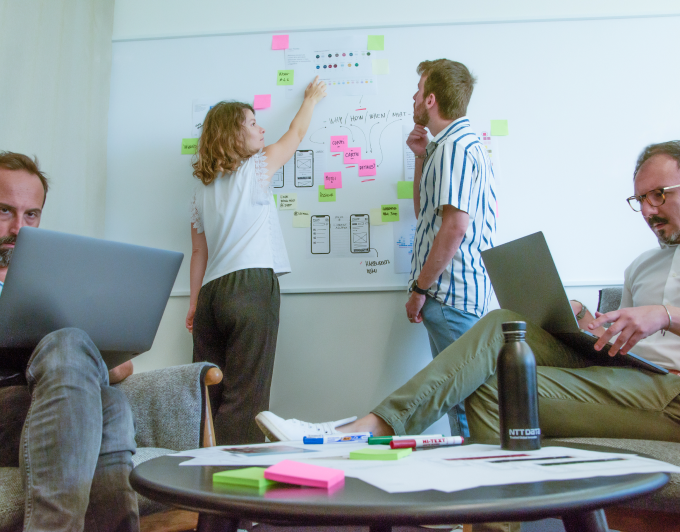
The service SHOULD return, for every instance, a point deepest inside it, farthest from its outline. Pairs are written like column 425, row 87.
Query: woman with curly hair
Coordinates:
column 237, row 254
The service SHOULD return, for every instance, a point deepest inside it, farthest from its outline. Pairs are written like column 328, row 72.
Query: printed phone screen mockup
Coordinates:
column 321, row 234
column 360, row 240
column 277, row 178
column 304, row 168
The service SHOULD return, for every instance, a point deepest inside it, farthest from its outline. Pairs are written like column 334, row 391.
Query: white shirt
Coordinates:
column 457, row 172
column 238, row 214
column 654, row 279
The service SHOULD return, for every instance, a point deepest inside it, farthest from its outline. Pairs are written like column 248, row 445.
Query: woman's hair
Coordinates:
column 222, row 146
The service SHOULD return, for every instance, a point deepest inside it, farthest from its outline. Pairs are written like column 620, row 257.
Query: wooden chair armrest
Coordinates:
column 212, row 376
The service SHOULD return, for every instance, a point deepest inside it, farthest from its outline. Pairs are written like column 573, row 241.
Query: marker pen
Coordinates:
column 386, row 440
column 349, row 437
column 427, row 442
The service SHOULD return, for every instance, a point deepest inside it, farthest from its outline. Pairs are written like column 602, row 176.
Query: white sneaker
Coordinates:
column 279, row 429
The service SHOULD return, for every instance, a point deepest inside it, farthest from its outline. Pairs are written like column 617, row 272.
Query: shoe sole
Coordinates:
column 271, row 433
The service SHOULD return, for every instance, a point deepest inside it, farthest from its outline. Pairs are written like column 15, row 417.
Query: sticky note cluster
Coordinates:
column 315, row 476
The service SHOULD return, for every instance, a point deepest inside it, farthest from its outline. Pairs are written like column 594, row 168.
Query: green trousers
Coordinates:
column 576, row 397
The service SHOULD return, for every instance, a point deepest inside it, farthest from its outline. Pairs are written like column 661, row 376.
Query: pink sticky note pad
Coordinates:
column 352, row 155
column 366, row 167
column 332, row 180
column 305, row 474
column 280, row 42
column 338, row 142
column 262, row 101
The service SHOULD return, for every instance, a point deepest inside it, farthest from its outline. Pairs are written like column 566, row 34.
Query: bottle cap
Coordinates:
column 512, row 326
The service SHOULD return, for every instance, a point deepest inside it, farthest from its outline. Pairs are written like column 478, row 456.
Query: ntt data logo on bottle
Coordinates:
column 524, row 434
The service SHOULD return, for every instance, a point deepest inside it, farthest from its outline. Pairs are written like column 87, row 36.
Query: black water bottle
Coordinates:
column 517, row 391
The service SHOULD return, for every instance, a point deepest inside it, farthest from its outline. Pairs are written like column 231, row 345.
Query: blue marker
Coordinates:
column 350, row 437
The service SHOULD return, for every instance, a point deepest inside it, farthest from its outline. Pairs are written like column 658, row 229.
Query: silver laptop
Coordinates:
column 115, row 292
column 525, row 279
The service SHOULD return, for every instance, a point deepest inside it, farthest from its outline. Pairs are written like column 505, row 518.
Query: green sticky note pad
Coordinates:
column 326, row 194
column 276, row 201
column 285, row 77
column 499, row 128
column 404, row 189
column 390, row 213
column 376, row 42
column 252, row 477
column 189, row 146
column 379, row 453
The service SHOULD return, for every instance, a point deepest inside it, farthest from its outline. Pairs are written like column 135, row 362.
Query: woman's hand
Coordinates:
column 316, row 90
column 190, row 319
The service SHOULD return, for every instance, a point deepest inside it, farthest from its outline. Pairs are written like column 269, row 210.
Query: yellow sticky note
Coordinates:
column 288, row 202
column 404, row 189
column 381, row 67
column 189, row 146
column 376, row 42
column 390, row 213
column 376, row 217
column 499, row 128
column 301, row 219
column 285, row 77
column 326, row 194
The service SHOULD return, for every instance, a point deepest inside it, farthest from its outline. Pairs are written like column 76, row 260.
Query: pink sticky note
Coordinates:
column 332, row 180
column 366, row 167
column 262, row 101
column 305, row 474
column 280, row 42
column 352, row 155
column 338, row 142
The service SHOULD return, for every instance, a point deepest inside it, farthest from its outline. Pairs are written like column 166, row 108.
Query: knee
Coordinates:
column 498, row 317
column 66, row 350
column 481, row 409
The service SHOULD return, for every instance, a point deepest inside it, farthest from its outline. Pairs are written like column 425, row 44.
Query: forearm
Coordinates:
column 444, row 247
column 302, row 119
column 416, row 185
column 197, row 267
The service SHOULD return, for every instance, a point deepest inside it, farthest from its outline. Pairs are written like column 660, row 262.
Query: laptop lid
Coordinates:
column 525, row 280
column 115, row 292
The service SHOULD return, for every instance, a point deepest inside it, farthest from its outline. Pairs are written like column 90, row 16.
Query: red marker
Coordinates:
column 416, row 443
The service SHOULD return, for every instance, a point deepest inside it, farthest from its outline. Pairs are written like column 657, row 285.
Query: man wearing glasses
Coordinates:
column 577, row 399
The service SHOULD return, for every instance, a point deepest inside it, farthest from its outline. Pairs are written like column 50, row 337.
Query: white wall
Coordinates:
column 338, row 354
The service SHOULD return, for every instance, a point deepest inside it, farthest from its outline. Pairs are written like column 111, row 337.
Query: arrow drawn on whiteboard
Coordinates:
column 315, row 142
column 370, row 146
column 362, row 132
column 350, row 132
column 382, row 156
column 376, row 251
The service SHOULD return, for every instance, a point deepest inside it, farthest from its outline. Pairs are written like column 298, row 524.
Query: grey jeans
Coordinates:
column 77, row 441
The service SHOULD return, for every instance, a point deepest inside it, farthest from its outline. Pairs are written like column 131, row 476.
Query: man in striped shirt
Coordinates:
column 455, row 207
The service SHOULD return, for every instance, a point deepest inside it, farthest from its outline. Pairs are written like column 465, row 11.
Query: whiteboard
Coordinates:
column 582, row 98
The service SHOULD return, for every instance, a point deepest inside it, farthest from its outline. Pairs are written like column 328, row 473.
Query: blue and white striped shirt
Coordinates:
column 1, row 285
column 457, row 172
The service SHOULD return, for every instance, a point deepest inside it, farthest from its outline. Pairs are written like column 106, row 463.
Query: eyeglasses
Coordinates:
column 656, row 198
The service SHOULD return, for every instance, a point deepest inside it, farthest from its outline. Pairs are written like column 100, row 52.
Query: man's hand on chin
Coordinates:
column 120, row 373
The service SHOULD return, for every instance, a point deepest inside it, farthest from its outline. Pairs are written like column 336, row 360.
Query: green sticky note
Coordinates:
column 376, row 42
column 276, row 203
column 381, row 67
column 252, row 477
column 499, row 128
column 189, row 146
column 285, row 77
column 404, row 189
column 390, row 213
column 326, row 194
column 379, row 453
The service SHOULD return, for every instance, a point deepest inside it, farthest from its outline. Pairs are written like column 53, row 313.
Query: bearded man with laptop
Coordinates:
column 78, row 432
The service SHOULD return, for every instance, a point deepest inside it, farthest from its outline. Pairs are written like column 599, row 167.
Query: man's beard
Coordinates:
column 669, row 240
column 6, row 253
column 420, row 115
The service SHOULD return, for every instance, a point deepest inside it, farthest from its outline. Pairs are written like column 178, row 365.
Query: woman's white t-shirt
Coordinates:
column 238, row 214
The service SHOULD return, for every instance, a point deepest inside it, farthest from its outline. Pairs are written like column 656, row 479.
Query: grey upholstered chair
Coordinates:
column 659, row 511
column 172, row 413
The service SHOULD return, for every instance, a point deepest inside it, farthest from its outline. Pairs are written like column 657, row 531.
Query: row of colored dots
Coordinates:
column 343, row 54
column 336, row 66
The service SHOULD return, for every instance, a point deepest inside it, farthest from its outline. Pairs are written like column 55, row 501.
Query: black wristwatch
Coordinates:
column 415, row 288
